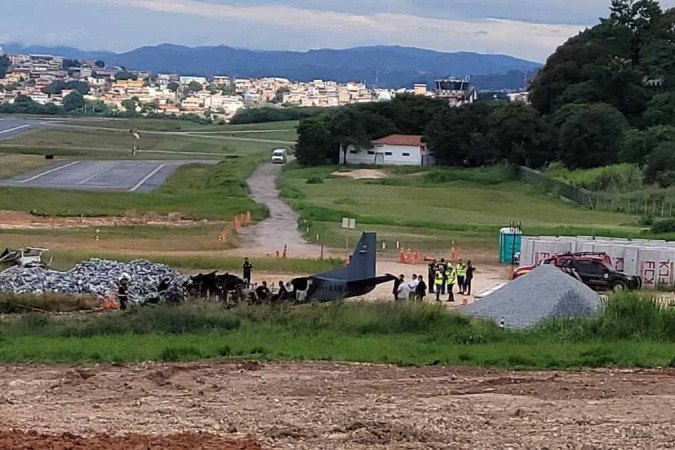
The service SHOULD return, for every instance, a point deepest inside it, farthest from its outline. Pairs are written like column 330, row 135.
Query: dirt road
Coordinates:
column 329, row 406
column 281, row 227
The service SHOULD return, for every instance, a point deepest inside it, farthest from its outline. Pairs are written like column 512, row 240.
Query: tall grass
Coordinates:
column 614, row 178
column 630, row 332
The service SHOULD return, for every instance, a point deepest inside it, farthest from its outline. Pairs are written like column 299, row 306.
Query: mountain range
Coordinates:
column 379, row 66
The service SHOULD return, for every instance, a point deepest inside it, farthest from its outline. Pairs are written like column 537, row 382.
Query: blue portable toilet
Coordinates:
column 509, row 244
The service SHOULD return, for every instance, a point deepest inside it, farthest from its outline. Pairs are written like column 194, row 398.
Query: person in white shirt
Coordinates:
column 413, row 288
column 403, row 292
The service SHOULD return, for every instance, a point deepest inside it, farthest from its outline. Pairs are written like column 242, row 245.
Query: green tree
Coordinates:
column 99, row 63
column 520, row 135
column 73, row 101
column 123, row 75
column 68, row 63
column 660, row 166
column 173, row 86
column 129, row 104
column 639, row 144
column 454, row 132
column 591, row 136
column 661, row 109
column 195, row 86
column 314, row 146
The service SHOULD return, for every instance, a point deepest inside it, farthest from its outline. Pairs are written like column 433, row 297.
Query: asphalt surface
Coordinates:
column 10, row 127
column 131, row 176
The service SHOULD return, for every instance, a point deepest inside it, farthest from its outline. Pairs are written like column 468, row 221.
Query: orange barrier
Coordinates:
column 239, row 221
column 409, row 256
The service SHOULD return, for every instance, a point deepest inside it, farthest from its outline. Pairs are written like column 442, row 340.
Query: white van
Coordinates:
column 279, row 156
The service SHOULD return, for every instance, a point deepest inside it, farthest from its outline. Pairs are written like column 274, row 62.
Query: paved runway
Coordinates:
column 131, row 176
column 10, row 127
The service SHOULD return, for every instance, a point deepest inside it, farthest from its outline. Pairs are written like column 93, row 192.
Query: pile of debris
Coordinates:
column 148, row 282
column 545, row 293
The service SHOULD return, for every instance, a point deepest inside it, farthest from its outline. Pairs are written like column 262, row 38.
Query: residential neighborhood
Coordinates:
column 48, row 80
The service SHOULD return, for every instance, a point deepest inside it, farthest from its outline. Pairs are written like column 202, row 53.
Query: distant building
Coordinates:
column 188, row 80
column 456, row 91
column 420, row 89
column 393, row 150
column 522, row 97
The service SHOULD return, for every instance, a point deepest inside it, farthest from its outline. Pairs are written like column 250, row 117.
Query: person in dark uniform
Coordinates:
column 443, row 267
column 282, row 293
column 431, row 273
column 421, row 289
column 262, row 291
column 123, row 292
column 246, row 267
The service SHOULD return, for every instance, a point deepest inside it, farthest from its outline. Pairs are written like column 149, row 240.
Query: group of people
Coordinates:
column 416, row 290
column 446, row 276
column 283, row 292
column 443, row 276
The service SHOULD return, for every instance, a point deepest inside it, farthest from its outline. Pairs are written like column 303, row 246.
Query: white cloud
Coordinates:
column 525, row 39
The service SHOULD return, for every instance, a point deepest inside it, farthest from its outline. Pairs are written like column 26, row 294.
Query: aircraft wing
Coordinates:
column 371, row 281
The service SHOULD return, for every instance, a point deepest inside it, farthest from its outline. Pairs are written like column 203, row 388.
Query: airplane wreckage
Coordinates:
column 154, row 283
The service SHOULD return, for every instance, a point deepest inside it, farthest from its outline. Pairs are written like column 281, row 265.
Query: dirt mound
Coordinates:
column 31, row 440
column 362, row 174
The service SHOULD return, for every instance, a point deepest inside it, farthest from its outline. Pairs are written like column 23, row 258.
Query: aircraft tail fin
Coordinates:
column 363, row 261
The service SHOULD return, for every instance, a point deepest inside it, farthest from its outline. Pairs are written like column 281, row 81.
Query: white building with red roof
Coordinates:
column 392, row 150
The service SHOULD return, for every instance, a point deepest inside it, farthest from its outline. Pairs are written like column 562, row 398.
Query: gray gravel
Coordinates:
column 148, row 282
column 545, row 293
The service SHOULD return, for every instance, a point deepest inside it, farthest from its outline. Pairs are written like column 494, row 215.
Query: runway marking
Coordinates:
column 14, row 129
column 48, row 172
column 142, row 182
column 90, row 177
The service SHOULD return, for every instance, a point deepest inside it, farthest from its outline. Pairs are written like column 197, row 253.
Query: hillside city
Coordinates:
column 49, row 80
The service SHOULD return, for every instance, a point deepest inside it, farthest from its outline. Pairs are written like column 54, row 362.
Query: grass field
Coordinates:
column 197, row 191
column 432, row 209
column 631, row 333
column 15, row 164
column 94, row 143
column 176, row 125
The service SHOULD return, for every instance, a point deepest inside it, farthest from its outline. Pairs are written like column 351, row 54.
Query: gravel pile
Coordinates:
column 545, row 293
column 148, row 282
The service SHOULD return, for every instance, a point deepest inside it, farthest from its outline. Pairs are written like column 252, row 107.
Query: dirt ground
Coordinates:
column 331, row 406
column 10, row 220
column 362, row 174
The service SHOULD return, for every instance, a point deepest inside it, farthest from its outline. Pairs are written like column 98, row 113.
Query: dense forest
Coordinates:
column 605, row 96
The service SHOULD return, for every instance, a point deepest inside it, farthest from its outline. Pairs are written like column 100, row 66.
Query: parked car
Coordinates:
column 279, row 156
column 593, row 269
column 598, row 275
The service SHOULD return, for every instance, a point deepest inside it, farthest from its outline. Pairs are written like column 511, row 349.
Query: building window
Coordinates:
column 406, row 154
column 388, row 153
column 353, row 152
column 371, row 152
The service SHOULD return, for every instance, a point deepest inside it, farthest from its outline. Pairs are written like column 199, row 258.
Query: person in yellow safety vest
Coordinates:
column 438, row 281
column 451, row 277
column 460, row 270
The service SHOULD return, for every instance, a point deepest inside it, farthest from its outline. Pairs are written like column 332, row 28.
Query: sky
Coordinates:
column 529, row 29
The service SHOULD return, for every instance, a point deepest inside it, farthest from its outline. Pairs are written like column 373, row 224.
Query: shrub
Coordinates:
column 663, row 226
column 315, row 180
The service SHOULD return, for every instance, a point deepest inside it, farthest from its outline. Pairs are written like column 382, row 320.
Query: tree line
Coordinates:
column 605, row 96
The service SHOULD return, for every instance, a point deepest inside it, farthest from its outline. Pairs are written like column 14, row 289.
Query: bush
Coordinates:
column 489, row 175
column 314, row 180
column 663, row 226
column 629, row 316
column 617, row 177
